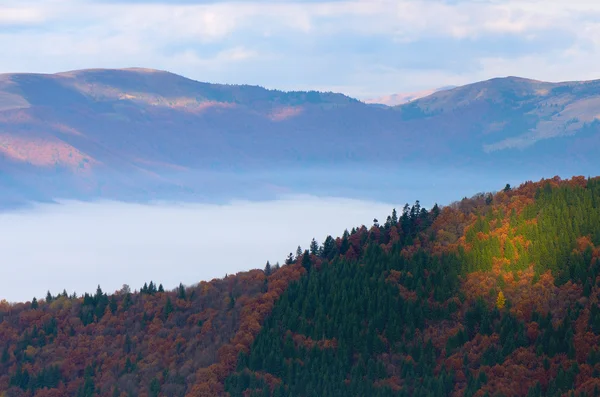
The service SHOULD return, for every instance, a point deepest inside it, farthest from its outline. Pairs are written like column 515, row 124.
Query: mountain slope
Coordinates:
column 493, row 295
column 139, row 134
column 402, row 98
column 497, row 296
column 519, row 112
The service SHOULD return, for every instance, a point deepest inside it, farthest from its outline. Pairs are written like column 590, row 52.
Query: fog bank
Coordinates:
column 76, row 246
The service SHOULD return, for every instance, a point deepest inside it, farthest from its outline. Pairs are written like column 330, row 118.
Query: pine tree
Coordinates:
column 268, row 269
column 5, row 355
column 299, row 253
column 306, row 262
column 314, row 247
column 290, row 259
column 154, row 388
column 99, row 293
column 168, row 307
column 231, row 301
column 181, row 292
column 113, row 304
column 329, row 248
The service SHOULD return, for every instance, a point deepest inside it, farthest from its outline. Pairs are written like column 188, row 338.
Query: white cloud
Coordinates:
column 20, row 15
column 77, row 246
column 206, row 41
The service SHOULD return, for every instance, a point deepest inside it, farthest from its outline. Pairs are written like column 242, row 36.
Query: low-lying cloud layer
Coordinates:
column 76, row 246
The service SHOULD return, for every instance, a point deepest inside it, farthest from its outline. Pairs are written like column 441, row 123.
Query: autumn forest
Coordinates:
column 493, row 295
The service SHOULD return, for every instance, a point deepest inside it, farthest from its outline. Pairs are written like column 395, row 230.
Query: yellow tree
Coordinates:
column 500, row 301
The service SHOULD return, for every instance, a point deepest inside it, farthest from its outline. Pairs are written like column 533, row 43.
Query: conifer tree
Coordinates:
column 181, row 292
column 168, row 307
column 290, row 259
column 306, row 262
column 299, row 253
column 314, row 247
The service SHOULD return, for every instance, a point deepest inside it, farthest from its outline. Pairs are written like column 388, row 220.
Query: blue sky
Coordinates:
column 364, row 48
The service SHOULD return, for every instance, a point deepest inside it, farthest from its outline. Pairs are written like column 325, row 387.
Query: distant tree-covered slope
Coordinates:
column 496, row 295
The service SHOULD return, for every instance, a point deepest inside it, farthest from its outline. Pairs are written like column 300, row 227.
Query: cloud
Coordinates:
column 19, row 15
column 315, row 44
column 76, row 246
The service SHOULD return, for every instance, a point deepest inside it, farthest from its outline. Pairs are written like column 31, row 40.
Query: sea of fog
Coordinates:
column 76, row 246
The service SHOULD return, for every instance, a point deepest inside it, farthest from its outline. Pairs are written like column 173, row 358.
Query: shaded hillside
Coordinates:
column 494, row 295
column 139, row 134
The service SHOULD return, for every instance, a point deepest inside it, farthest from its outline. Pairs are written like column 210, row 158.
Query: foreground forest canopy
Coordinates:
column 496, row 295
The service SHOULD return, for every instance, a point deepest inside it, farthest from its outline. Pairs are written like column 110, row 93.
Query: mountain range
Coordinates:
column 405, row 97
column 140, row 134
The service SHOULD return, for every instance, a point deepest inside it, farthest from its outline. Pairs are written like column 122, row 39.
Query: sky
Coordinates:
column 364, row 48
column 76, row 246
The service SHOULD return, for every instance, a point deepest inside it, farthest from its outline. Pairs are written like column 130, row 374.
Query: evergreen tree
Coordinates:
column 181, row 292
column 231, row 301
column 306, row 262
column 314, row 247
column 299, row 253
column 5, row 355
column 290, row 259
column 154, row 388
column 168, row 308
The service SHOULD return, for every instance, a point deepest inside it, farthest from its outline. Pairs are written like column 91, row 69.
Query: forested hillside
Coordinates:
column 496, row 295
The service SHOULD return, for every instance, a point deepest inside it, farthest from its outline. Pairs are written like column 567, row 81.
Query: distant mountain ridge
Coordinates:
column 145, row 134
column 402, row 98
